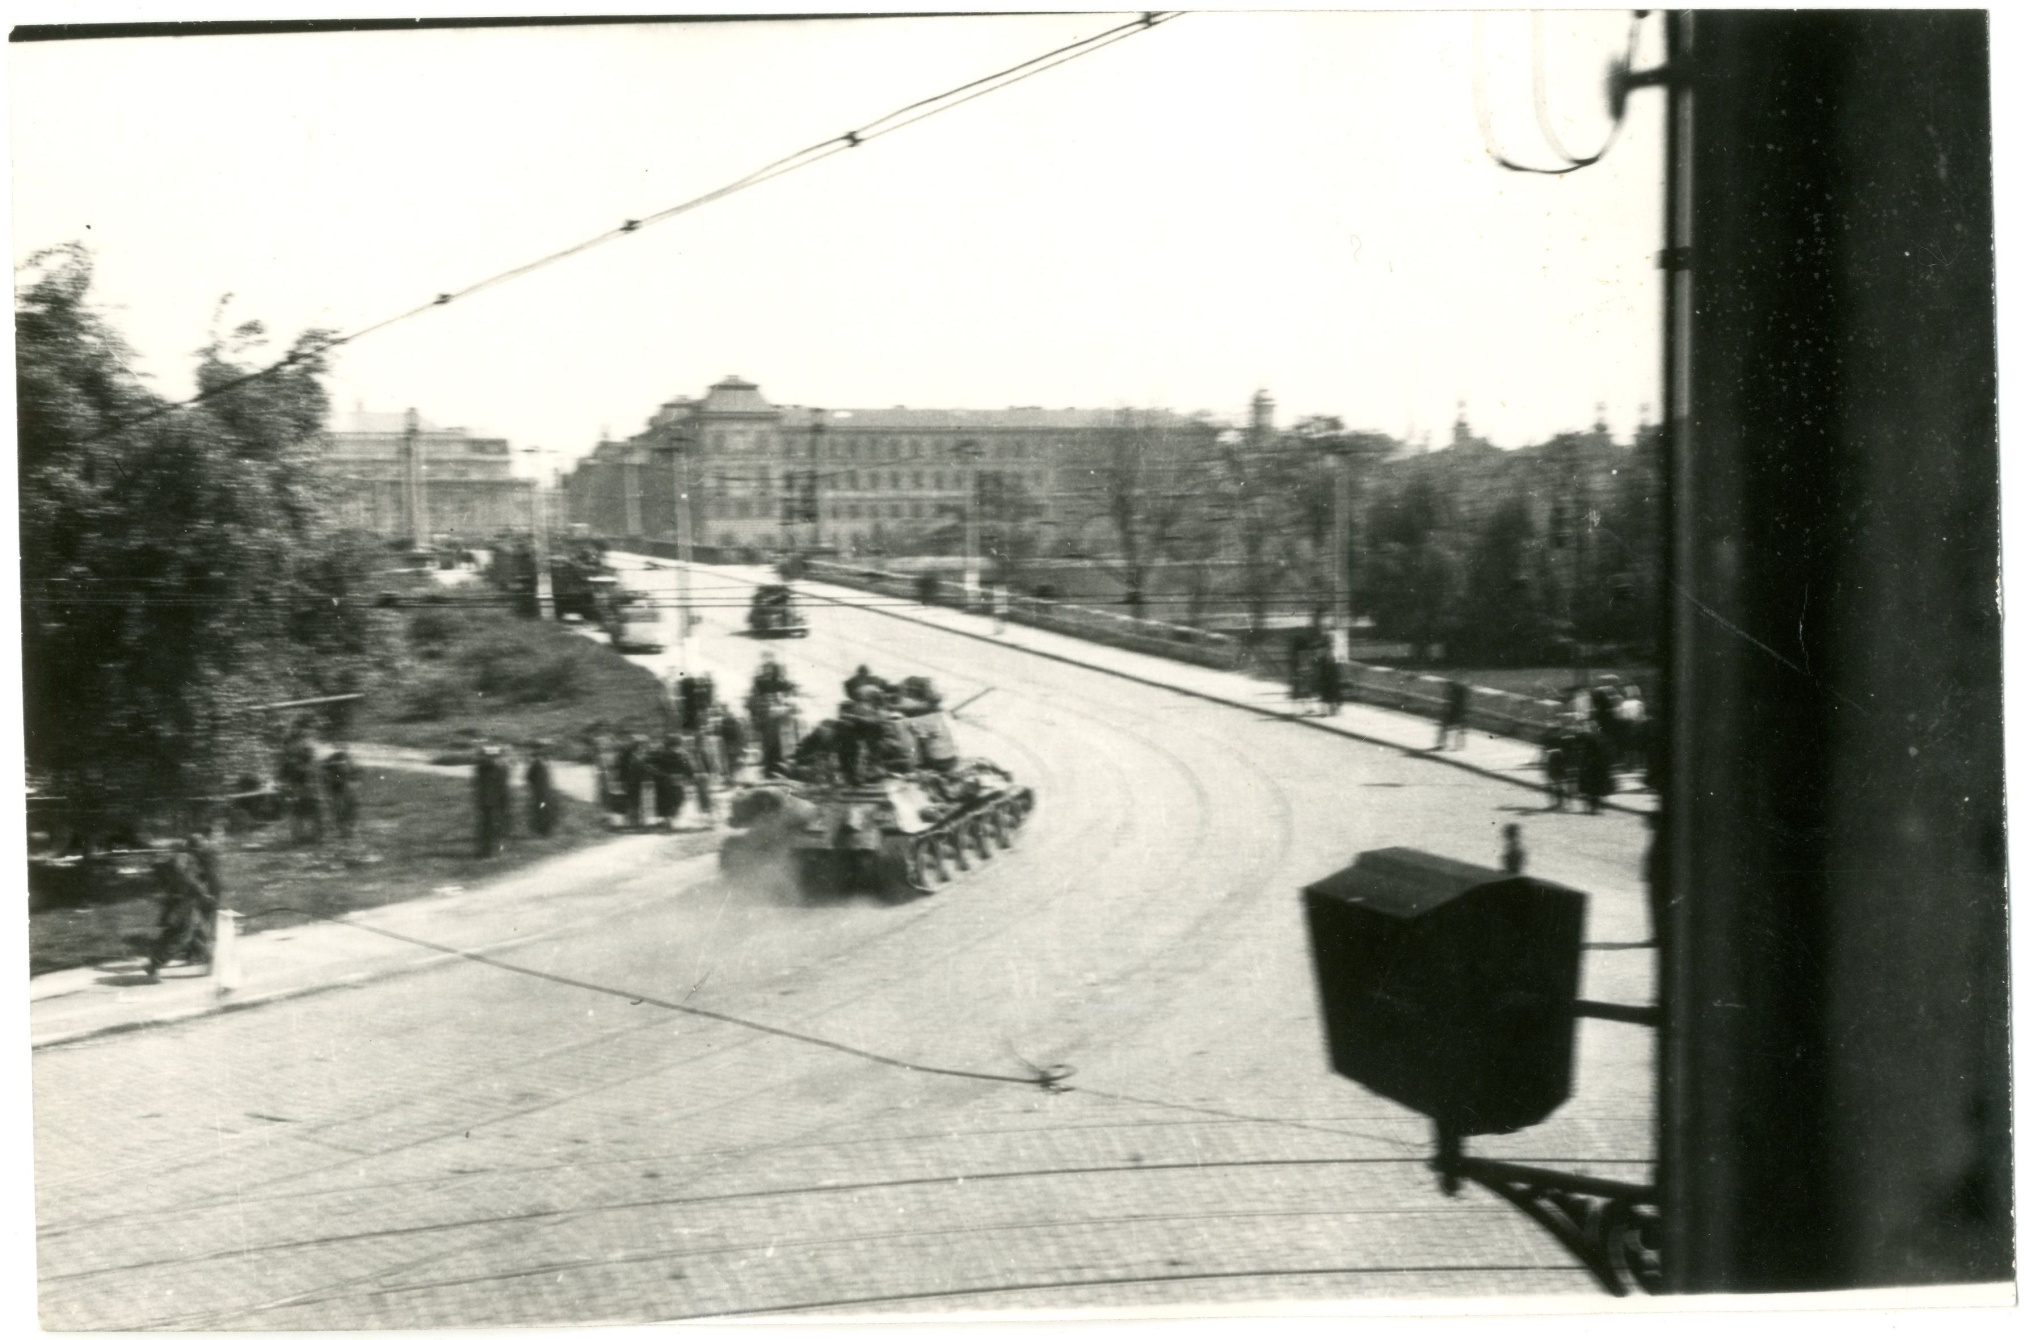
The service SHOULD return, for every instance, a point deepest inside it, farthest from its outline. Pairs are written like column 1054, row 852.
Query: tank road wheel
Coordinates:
column 929, row 873
column 1001, row 827
column 980, row 837
column 954, row 849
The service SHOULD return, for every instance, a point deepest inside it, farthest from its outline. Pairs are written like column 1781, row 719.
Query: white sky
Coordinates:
column 1300, row 202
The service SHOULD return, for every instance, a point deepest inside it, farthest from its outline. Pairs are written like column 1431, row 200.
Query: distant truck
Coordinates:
column 632, row 624
column 773, row 614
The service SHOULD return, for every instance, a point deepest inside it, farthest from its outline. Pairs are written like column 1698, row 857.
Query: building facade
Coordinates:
column 770, row 476
column 402, row 477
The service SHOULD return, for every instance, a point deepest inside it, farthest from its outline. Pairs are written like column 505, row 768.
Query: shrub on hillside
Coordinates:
column 433, row 631
column 437, row 697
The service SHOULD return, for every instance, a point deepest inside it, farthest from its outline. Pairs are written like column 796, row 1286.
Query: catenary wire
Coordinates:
column 1051, row 1078
column 913, row 113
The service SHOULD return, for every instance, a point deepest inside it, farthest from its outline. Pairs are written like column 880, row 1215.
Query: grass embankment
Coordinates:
column 415, row 835
column 456, row 670
column 475, row 669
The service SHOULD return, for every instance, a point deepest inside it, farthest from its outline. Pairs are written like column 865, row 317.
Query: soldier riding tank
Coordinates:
column 880, row 802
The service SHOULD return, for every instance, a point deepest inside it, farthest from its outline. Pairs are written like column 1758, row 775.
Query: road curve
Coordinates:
column 484, row 1148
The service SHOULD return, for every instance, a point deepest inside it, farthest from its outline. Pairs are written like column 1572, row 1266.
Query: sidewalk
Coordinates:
column 297, row 958
column 1497, row 756
column 289, row 956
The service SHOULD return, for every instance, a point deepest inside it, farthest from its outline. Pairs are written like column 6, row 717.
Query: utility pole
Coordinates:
column 970, row 451
column 815, row 480
column 418, row 519
column 544, row 585
column 1342, row 615
column 685, row 526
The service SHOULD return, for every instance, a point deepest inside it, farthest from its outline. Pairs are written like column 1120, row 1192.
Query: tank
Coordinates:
column 907, row 833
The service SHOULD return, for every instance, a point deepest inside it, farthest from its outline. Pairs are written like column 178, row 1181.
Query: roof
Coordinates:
column 734, row 395
column 1022, row 418
column 368, row 421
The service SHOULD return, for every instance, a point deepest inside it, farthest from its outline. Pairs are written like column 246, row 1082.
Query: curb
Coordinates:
column 229, row 1005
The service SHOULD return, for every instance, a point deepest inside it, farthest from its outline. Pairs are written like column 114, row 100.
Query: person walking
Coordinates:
column 632, row 780
column 299, row 784
column 490, row 800
column 1514, row 850
column 191, row 886
column 664, row 769
column 543, row 805
column 340, row 784
column 1594, row 776
column 1328, row 676
column 1455, row 715
column 731, row 739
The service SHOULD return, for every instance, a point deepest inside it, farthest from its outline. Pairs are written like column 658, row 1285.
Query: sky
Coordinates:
column 1301, row 203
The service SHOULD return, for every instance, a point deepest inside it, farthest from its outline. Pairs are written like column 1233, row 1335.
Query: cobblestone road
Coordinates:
column 473, row 1147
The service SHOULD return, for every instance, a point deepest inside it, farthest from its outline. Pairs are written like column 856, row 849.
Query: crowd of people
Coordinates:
column 1602, row 728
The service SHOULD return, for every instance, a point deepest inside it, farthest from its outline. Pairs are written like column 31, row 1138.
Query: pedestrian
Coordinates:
column 340, row 784
column 299, row 784
column 1630, row 718
column 632, row 779
column 543, row 805
column 191, row 886
column 491, row 800
column 693, row 770
column 731, row 738
column 771, row 678
column 1455, row 715
column 1558, row 757
column 1594, row 775
column 664, row 768
column 1514, row 850
column 1328, row 674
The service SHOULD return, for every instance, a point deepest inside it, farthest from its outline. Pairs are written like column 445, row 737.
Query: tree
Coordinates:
column 1006, row 511
column 176, row 566
column 1501, row 619
column 1149, row 473
column 1413, row 574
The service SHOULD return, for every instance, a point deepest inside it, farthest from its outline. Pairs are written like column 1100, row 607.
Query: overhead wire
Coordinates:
column 1051, row 1078
column 899, row 119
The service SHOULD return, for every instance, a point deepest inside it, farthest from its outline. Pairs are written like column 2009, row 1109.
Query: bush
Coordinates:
column 436, row 698
column 433, row 630
column 505, row 667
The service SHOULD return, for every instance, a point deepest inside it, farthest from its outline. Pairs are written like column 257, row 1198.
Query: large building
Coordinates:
column 400, row 476
column 769, row 476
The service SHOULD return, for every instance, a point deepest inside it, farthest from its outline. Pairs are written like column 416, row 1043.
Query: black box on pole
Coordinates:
column 1449, row 987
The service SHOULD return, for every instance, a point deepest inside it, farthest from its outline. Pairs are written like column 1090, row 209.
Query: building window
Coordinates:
column 917, row 511
column 765, row 480
column 938, row 479
column 716, row 442
column 917, row 479
column 741, row 509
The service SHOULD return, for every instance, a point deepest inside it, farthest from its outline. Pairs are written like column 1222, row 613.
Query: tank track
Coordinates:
column 928, row 862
